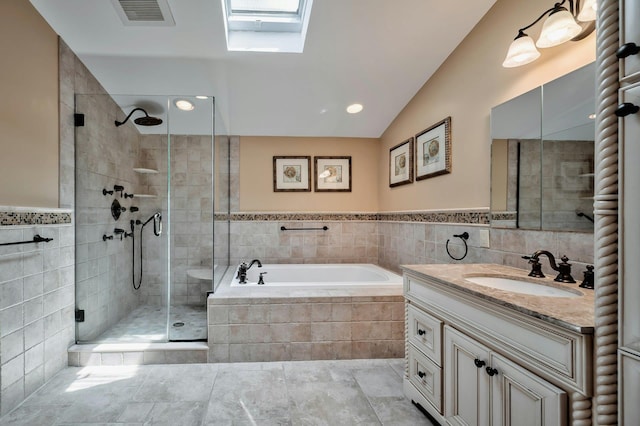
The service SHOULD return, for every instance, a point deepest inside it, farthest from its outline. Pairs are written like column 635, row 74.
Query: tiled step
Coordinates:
column 137, row 353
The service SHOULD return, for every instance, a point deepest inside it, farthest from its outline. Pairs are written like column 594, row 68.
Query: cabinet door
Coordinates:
column 630, row 225
column 466, row 381
column 629, row 381
column 630, row 33
column 520, row 398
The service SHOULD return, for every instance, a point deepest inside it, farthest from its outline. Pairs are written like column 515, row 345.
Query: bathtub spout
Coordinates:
column 254, row 261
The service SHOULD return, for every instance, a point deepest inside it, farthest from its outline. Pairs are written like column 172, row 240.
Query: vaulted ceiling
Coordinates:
column 374, row 52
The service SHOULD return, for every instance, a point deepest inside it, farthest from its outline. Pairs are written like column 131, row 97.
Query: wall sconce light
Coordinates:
column 560, row 26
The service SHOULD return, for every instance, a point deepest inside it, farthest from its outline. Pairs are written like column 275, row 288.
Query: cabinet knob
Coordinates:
column 626, row 50
column 479, row 363
column 491, row 371
column 421, row 374
column 626, row 108
column 421, row 332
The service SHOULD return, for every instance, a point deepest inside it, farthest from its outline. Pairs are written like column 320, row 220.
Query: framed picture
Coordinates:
column 401, row 163
column 291, row 173
column 332, row 174
column 433, row 150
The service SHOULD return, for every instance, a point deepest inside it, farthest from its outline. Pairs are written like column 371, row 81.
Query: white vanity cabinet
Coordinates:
column 472, row 360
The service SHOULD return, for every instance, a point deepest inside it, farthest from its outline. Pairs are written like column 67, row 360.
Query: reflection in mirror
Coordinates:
column 542, row 156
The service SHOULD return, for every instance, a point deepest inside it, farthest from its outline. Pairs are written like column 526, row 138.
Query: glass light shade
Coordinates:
column 521, row 52
column 558, row 28
column 588, row 11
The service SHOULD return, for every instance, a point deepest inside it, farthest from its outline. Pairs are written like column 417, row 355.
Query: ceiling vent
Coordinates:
column 144, row 12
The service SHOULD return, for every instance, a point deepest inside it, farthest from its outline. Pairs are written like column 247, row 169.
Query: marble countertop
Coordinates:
column 574, row 313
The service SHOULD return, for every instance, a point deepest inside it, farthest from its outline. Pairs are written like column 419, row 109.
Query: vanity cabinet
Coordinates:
column 472, row 360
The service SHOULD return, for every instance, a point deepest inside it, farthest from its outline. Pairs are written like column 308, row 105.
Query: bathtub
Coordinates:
column 319, row 276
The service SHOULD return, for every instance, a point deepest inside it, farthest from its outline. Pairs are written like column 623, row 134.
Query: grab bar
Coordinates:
column 36, row 239
column 284, row 228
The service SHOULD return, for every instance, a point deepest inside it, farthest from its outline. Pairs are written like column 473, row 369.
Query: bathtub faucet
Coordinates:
column 254, row 261
column 243, row 268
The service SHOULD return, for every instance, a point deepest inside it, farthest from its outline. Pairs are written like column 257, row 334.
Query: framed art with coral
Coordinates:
column 401, row 163
column 291, row 174
column 433, row 150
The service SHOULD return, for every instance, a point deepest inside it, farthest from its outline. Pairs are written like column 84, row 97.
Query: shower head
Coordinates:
column 147, row 120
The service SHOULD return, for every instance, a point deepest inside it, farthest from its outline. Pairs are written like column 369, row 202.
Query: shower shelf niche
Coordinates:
column 144, row 170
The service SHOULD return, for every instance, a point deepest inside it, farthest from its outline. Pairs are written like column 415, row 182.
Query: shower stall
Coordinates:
column 151, row 226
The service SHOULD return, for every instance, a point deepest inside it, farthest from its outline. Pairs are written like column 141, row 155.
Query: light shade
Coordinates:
column 521, row 52
column 558, row 28
column 588, row 11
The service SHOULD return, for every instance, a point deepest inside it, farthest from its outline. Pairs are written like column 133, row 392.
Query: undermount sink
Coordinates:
column 515, row 285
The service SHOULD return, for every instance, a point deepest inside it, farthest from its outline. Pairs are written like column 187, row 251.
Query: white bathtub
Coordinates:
column 319, row 276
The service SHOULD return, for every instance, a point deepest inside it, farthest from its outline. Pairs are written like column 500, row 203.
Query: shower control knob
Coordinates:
column 105, row 237
column 627, row 50
column 626, row 108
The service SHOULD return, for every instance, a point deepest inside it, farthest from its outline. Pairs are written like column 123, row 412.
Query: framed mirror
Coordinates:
column 542, row 155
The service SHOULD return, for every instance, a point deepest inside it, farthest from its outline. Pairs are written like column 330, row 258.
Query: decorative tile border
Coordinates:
column 463, row 217
column 8, row 218
column 504, row 216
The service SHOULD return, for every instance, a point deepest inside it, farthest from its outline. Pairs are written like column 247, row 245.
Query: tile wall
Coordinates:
column 304, row 328
column 36, row 308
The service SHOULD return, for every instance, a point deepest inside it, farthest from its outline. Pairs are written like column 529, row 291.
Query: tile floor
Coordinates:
column 148, row 323
column 335, row 393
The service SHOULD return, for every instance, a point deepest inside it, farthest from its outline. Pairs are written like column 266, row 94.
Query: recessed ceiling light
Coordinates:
column 354, row 108
column 184, row 105
column 323, row 111
column 202, row 97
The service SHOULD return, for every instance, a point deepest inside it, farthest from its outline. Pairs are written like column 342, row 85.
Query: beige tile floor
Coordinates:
column 332, row 393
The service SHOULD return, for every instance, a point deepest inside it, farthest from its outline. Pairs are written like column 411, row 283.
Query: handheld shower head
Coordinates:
column 157, row 223
column 147, row 120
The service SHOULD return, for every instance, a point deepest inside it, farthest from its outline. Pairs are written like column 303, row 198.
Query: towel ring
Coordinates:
column 464, row 237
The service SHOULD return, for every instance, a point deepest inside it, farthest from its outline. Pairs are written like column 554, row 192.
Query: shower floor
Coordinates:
column 148, row 324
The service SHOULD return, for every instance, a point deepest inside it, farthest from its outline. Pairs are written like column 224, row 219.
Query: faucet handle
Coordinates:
column 536, row 267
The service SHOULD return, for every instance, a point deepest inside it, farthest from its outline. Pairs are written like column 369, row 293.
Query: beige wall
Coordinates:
column 256, row 175
column 466, row 87
column 29, row 108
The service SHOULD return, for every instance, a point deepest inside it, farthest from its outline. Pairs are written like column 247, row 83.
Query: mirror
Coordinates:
column 542, row 155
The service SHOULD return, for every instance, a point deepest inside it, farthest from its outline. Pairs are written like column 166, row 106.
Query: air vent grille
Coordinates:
column 144, row 12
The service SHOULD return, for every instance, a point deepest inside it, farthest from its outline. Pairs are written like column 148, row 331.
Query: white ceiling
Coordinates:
column 374, row 52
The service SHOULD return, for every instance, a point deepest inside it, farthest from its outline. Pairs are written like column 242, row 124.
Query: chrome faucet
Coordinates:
column 243, row 268
column 563, row 268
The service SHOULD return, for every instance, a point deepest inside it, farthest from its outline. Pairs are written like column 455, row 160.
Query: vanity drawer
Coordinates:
column 425, row 333
column 426, row 377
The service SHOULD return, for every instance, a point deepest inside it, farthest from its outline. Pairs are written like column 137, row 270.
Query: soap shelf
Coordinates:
column 144, row 196
column 144, row 170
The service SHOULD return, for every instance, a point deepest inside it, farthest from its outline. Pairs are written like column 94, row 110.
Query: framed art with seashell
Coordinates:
column 401, row 163
column 292, row 173
column 433, row 150
column 332, row 174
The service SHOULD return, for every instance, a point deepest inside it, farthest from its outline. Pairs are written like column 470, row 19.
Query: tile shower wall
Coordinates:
column 191, row 217
column 36, row 308
column 105, row 156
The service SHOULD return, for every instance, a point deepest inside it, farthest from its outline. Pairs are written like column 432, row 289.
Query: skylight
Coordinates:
column 266, row 25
